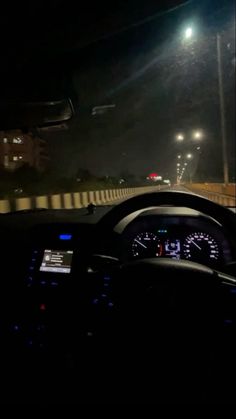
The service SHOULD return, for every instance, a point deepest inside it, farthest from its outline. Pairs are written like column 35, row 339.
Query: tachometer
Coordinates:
column 146, row 245
column 200, row 247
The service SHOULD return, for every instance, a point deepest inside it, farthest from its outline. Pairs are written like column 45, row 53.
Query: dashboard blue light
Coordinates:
column 65, row 236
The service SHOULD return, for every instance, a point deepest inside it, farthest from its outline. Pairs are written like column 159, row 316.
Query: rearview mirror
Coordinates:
column 35, row 114
column 41, row 94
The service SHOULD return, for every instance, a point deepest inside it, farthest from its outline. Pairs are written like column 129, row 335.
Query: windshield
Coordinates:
column 154, row 105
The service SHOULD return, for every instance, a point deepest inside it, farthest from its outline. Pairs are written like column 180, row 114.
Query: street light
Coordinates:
column 188, row 32
column 189, row 156
column 180, row 137
column 179, row 156
column 197, row 135
column 188, row 35
column 185, row 164
column 178, row 164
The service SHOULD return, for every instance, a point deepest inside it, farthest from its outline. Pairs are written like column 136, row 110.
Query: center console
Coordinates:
column 50, row 267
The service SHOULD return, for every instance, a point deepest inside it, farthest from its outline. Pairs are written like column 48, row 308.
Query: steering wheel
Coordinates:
column 169, row 198
column 179, row 277
column 174, row 300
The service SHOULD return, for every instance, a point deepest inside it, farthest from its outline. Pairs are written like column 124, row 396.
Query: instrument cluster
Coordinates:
column 197, row 246
column 180, row 236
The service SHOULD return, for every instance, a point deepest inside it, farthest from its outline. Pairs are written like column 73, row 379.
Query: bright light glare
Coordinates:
column 197, row 135
column 180, row 137
column 178, row 164
column 188, row 33
column 189, row 156
column 179, row 156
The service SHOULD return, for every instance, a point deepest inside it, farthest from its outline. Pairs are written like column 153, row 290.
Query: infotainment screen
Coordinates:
column 56, row 261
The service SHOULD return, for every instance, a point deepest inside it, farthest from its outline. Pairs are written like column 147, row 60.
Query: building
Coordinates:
column 18, row 149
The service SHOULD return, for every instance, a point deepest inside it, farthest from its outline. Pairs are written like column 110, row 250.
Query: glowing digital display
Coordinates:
column 56, row 261
column 172, row 248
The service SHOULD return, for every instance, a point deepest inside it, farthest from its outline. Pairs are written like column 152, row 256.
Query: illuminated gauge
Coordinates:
column 146, row 245
column 200, row 247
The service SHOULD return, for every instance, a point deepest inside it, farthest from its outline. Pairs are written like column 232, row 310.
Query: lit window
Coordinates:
column 20, row 157
column 5, row 140
column 17, row 140
column 15, row 158
column 6, row 160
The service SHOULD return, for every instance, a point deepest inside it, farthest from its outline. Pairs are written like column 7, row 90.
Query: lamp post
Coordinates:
column 222, row 111
column 188, row 34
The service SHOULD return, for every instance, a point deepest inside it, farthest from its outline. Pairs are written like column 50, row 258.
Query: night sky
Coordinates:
column 133, row 55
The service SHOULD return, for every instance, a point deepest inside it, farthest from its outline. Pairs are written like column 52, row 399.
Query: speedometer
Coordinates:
column 200, row 247
column 146, row 245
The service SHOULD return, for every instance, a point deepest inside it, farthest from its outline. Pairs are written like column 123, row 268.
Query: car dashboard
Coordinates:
column 56, row 271
column 61, row 286
column 187, row 235
column 43, row 251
